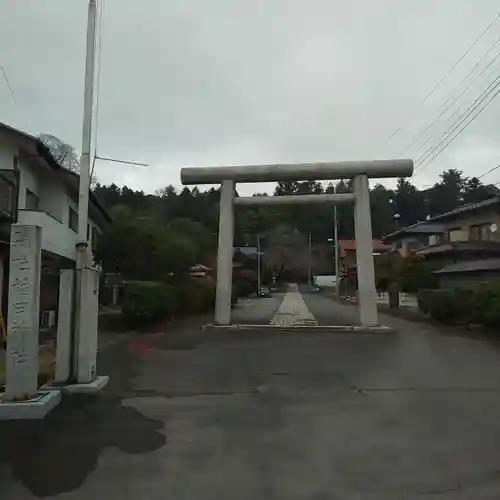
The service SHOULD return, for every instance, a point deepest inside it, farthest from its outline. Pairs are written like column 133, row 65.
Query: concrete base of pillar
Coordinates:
column 94, row 387
column 303, row 328
column 32, row 409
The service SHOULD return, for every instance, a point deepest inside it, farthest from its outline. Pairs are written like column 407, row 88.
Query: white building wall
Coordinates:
column 53, row 198
column 7, row 152
column 459, row 235
column 56, row 237
column 27, row 180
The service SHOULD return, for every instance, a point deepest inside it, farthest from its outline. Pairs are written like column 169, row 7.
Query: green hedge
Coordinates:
column 480, row 305
column 148, row 302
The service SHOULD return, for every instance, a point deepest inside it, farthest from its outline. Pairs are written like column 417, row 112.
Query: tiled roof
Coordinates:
column 419, row 228
column 378, row 245
column 471, row 266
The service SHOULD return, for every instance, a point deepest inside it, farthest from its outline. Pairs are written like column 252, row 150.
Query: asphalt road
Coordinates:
column 327, row 311
column 256, row 311
column 194, row 414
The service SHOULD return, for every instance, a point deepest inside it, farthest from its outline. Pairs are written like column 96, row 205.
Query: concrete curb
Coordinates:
column 94, row 387
column 32, row 409
column 305, row 328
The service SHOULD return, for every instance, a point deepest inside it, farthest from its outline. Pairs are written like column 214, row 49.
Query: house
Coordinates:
column 36, row 190
column 348, row 252
column 463, row 245
column 408, row 239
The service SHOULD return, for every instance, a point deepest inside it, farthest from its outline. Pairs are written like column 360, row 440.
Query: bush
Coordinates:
column 480, row 305
column 244, row 288
column 486, row 305
column 234, row 294
column 146, row 302
column 196, row 295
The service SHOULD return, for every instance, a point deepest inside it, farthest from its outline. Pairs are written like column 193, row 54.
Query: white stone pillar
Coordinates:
column 115, row 291
column 2, row 275
column 225, row 254
column 65, row 325
column 23, row 317
column 367, row 295
column 87, row 325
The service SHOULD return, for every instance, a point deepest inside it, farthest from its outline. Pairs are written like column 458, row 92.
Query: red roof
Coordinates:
column 350, row 245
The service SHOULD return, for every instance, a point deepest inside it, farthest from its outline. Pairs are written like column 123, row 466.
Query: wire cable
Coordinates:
column 6, row 78
column 452, row 116
column 461, row 130
column 488, row 172
column 98, row 86
column 447, row 102
column 463, row 116
column 447, row 74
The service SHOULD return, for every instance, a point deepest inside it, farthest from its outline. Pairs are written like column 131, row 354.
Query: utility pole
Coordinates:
column 336, row 251
column 258, row 266
column 83, row 259
column 84, row 338
column 309, row 259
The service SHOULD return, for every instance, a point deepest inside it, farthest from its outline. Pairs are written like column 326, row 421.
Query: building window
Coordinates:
column 73, row 219
column 480, row 232
column 444, row 238
column 95, row 238
column 32, row 200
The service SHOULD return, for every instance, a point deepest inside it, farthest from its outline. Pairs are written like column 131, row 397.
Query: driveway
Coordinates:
column 191, row 414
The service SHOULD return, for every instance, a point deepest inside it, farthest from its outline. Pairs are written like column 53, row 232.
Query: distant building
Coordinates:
column 408, row 239
column 348, row 252
column 462, row 245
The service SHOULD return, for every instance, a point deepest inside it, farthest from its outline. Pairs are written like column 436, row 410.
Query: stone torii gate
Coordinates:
column 359, row 172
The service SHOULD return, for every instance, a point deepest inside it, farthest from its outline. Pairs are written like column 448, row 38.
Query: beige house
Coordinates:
column 463, row 245
column 409, row 239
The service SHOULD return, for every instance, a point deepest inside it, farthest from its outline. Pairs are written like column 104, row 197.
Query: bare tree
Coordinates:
column 63, row 153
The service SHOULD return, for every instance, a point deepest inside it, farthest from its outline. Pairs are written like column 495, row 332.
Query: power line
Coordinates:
column 447, row 102
column 461, row 58
column 457, row 111
column 98, row 89
column 104, row 158
column 5, row 77
column 463, row 116
column 450, row 70
column 489, row 172
column 463, row 128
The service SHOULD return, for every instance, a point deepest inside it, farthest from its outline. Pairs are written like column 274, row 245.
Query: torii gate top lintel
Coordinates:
column 298, row 171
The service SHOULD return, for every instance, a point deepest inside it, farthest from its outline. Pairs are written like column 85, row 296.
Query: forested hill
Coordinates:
column 390, row 208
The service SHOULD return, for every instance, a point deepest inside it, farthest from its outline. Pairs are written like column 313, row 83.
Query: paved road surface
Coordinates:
column 256, row 311
column 288, row 416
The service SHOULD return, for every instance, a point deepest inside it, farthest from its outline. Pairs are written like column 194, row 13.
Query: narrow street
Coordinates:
column 193, row 414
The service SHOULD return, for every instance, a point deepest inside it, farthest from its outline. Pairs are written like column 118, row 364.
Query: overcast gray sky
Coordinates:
column 196, row 82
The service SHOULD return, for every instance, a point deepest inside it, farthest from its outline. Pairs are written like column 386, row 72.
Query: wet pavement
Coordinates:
column 256, row 311
column 193, row 414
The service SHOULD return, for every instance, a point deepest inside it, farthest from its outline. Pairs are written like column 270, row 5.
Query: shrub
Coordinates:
column 146, row 302
column 447, row 306
column 197, row 295
column 486, row 305
column 234, row 294
column 244, row 288
column 480, row 305
column 414, row 274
